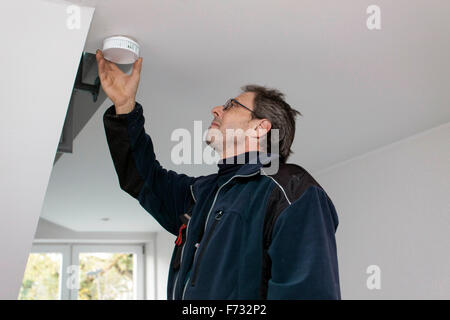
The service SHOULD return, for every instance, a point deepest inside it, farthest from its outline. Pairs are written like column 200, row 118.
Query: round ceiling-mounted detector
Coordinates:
column 121, row 49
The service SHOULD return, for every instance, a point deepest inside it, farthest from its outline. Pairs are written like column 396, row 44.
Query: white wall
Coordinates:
column 165, row 243
column 49, row 232
column 39, row 66
column 394, row 211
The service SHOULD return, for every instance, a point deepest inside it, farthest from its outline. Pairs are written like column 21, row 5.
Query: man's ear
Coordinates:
column 262, row 128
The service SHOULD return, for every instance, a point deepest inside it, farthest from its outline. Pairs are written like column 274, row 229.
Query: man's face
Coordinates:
column 232, row 119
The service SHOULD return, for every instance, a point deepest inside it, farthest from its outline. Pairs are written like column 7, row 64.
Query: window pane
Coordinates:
column 41, row 280
column 106, row 276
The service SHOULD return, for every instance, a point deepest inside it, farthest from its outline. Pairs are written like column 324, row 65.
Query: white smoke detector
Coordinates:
column 121, row 49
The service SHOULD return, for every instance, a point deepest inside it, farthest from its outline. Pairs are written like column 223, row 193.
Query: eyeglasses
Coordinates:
column 229, row 104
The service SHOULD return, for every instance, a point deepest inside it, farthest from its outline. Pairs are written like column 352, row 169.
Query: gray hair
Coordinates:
column 269, row 104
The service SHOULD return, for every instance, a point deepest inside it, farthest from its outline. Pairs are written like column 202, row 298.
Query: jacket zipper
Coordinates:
column 182, row 249
column 202, row 249
column 207, row 218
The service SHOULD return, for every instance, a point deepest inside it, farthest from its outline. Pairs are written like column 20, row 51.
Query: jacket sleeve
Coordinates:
column 163, row 193
column 303, row 250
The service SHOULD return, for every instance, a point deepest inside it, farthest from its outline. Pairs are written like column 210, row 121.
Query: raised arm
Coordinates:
column 163, row 193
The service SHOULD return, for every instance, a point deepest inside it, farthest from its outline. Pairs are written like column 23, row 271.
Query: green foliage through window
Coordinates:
column 42, row 277
column 106, row 276
column 103, row 276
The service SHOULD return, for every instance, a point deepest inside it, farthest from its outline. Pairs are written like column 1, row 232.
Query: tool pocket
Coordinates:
column 181, row 239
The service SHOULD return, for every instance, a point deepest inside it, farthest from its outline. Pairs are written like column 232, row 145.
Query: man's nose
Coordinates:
column 217, row 112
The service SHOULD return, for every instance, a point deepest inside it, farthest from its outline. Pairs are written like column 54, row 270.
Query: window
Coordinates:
column 85, row 272
column 106, row 276
column 108, row 272
column 42, row 278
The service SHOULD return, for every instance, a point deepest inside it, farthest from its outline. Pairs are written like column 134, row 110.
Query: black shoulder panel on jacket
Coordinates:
column 293, row 180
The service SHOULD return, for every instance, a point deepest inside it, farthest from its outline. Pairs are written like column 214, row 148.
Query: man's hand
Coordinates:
column 120, row 87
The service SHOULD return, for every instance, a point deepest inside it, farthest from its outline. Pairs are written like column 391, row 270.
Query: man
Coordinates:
column 242, row 233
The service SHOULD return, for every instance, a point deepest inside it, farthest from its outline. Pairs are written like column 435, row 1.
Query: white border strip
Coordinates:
column 278, row 186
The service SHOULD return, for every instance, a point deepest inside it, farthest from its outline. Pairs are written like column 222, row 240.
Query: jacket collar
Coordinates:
column 256, row 161
column 252, row 168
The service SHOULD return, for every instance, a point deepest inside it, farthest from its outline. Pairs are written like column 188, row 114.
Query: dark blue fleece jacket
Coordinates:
column 254, row 235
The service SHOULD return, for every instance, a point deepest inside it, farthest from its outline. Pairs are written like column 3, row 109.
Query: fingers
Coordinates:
column 112, row 66
column 101, row 64
column 105, row 65
column 137, row 67
column 99, row 55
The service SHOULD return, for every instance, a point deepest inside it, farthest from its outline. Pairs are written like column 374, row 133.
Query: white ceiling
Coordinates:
column 357, row 89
